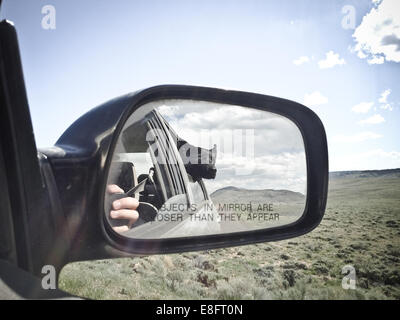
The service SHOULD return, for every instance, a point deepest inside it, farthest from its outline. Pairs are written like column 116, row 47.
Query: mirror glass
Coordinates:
column 188, row 168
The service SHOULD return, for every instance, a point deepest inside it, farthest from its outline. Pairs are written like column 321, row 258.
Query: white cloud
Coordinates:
column 276, row 157
column 332, row 59
column 376, row 60
column 378, row 36
column 362, row 107
column 267, row 172
column 301, row 60
column 375, row 119
column 360, row 54
column 384, row 95
column 213, row 124
column 358, row 137
column 387, row 106
column 315, row 99
column 373, row 159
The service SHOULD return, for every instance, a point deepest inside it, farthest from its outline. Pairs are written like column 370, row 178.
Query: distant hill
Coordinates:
column 358, row 180
column 239, row 195
column 379, row 188
column 387, row 173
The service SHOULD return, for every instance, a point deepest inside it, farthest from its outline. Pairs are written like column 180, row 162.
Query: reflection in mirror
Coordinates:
column 188, row 168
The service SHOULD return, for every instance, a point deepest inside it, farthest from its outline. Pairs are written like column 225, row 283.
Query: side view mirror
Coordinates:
column 191, row 168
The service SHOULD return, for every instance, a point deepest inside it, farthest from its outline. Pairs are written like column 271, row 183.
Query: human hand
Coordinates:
column 124, row 208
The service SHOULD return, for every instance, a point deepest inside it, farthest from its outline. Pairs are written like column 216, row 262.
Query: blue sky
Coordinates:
column 102, row 49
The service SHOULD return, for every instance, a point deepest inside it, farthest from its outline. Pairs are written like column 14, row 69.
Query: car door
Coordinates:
column 20, row 163
column 27, row 226
column 176, row 187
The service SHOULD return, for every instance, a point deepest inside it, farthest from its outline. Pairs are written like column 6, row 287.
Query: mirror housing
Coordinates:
column 82, row 156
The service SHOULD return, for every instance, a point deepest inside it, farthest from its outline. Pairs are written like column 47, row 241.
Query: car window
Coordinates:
column 152, row 154
column 197, row 191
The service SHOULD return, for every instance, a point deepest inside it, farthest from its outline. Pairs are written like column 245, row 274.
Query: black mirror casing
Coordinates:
column 82, row 156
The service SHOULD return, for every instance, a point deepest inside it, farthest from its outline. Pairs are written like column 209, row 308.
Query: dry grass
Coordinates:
column 360, row 228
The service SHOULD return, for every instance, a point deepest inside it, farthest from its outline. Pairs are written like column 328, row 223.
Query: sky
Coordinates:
column 339, row 58
column 255, row 149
